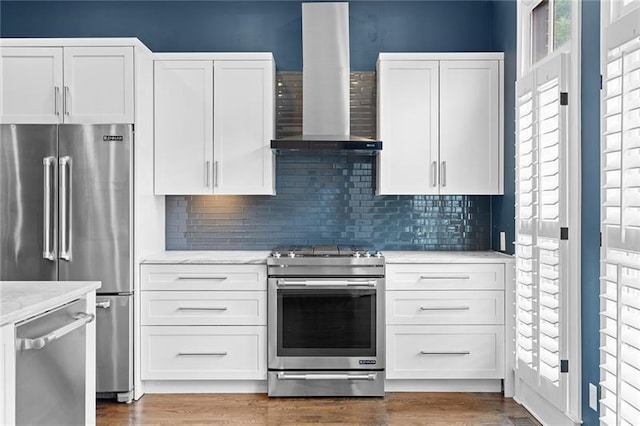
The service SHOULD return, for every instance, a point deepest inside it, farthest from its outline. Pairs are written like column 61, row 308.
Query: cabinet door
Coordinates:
column 408, row 127
column 98, row 85
column 31, row 84
column 470, row 154
column 243, row 127
column 183, row 127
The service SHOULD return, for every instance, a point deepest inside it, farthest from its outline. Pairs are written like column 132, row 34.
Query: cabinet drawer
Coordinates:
column 445, row 307
column 204, row 308
column 204, row 353
column 467, row 276
column 445, row 352
column 203, row 277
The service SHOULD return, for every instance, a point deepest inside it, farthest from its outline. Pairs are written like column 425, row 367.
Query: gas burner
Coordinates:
column 324, row 251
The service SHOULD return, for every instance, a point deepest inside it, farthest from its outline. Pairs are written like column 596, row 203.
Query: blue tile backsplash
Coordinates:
column 327, row 198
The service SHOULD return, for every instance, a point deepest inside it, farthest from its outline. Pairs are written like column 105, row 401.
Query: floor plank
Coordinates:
column 257, row 409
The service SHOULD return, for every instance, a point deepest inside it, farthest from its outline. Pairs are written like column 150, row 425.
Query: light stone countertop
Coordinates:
column 260, row 257
column 20, row 300
column 238, row 257
column 446, row 257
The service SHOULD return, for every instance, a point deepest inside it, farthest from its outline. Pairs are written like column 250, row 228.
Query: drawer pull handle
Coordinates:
column 202, row 353
column 445, row 352
column 328, row 376
column 444, row 277
column 203, row 278
column 444, row 308
column 194, row 308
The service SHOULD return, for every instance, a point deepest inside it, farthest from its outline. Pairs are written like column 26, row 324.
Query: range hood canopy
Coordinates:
column 325, row 84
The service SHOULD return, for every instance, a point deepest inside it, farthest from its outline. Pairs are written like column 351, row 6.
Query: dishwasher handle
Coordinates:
column 82, row 319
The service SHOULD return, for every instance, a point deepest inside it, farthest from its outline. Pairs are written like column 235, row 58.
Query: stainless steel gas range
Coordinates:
column 326, row 322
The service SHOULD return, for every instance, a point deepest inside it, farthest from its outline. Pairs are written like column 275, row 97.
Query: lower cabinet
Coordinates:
column 204, row 353
column 445, row 352
column 203, row 322
column 445, row 321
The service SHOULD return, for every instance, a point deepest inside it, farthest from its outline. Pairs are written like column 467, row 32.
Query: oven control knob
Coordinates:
column 367, row 254
column 292, row 254
column 276, row 254
column 377, row 254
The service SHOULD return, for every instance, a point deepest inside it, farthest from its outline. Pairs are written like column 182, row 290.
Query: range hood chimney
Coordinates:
column 325, row 84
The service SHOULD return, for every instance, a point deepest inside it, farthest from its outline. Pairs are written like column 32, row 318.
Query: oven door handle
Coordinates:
column 325, row 283
column 285, row 376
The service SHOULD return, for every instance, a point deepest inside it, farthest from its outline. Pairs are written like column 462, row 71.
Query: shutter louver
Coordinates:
column 620, row 263
column 540, row 214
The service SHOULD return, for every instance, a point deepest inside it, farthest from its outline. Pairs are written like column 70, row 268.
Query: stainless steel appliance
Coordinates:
column 50, row 366
column 65, row 214
column 326, row 322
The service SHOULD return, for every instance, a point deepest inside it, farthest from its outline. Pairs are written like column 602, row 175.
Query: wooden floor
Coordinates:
column 256, row 409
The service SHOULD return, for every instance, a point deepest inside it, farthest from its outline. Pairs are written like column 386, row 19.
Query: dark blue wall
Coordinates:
column 503, row 38
column 590, row 203
column 275, row 26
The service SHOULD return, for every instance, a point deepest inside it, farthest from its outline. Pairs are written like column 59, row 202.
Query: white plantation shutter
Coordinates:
column 620, row 266
column 541, row 212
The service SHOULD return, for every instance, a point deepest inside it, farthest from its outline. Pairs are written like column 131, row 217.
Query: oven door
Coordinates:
column 326, row 323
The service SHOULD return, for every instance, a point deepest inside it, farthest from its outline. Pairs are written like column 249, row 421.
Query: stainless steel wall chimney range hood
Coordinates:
column 325, row 84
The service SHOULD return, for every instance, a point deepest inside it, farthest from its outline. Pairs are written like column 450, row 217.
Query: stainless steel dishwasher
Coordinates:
column 50, row 366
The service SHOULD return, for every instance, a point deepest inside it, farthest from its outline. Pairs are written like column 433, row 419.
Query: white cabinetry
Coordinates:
column 7, row 374
column 81, row 84
column 214, row 120
column 445, row 321
column 440, row 120
column 203, row 322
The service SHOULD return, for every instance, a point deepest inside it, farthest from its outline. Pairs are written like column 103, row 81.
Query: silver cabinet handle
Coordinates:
column 82, row 318
column 443, row 173
column 56, row 100
column 325, row 283
column 189, row 308
column 285, row 376
column 103, row 304
column 202, row 353
column 444, row 277
column 207, row 164
column 204, row 278
column 65, row 207
column 47, row 251
column 445, row 352
column 215, row 173
column 444, row 308
column 434, row 173
column 66, row 100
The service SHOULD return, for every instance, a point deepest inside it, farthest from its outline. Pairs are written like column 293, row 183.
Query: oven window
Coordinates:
column 324, row 322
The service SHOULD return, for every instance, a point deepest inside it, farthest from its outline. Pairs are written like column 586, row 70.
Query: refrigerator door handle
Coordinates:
column 47, row 252
column 65, row 206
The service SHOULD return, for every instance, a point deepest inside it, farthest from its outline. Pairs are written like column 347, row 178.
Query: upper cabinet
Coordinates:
column 440, row 118
column 86, row 85
column 214, row 121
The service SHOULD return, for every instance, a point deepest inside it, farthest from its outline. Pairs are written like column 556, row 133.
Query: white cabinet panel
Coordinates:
column 204, row 308
column 408, row 127
column 440, row 124
column 445, row 352
column 214, row 125
column 204, row 353
column 470, row 161
column 243, row 127
column 445, row 307
column 98, row 85
column 203, row 277
column 183, row 127
column 445, row 277
column 31, row 85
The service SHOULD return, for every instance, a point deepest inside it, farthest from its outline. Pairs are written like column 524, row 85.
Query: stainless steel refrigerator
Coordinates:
column 66, row 214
